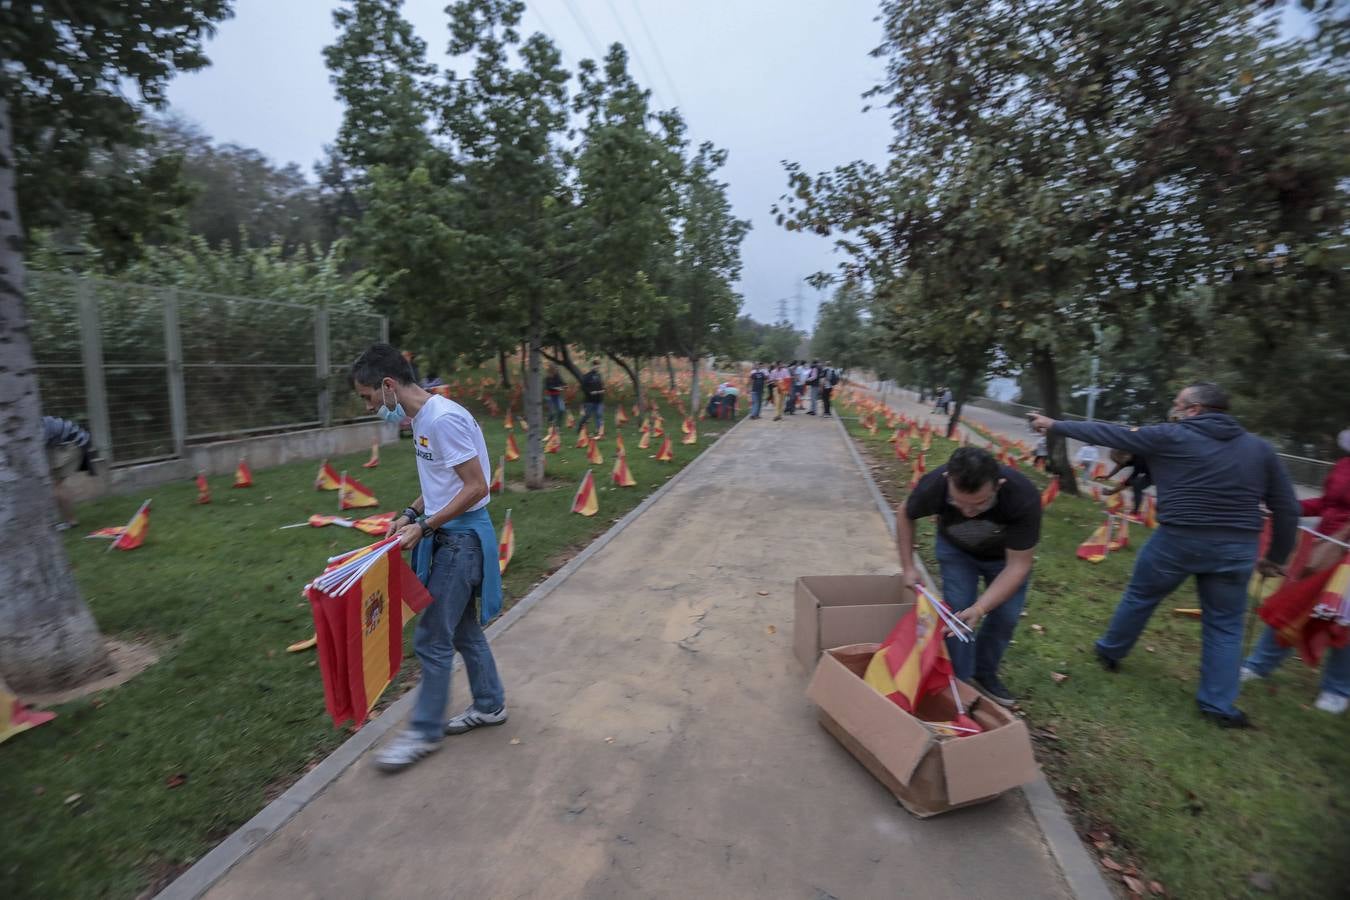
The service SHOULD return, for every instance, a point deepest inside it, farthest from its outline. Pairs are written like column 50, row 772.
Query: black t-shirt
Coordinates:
column 594, row 386
column 1012, row 523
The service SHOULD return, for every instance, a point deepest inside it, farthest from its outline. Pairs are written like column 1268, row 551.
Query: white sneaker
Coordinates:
column 1332, row 703
column 406, row 748
column 1246, row 675
column 473, row 718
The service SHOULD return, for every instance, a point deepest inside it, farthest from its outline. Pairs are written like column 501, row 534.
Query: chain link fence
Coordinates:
column 152, row 370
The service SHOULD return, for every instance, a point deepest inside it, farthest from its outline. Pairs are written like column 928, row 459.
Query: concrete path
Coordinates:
column 660, row 743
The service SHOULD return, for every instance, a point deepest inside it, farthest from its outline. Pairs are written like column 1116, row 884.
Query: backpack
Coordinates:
column 833, row 378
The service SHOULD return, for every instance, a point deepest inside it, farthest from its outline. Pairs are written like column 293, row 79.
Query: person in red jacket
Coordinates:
column 1334, row 508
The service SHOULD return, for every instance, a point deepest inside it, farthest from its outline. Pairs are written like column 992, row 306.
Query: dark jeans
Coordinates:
column 557, row 409
column 1222, row 570
column 595, row 412
column 961, row 575
column 756, row 401
column 825, row 393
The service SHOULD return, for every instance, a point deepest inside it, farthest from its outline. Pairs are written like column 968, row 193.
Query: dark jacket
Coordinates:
column 1212, row 476
column 593, row 386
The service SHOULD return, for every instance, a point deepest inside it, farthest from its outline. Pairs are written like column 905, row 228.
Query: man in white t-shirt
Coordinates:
column 454, row 470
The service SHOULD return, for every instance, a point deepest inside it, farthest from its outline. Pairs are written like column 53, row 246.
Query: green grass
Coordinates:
column 217, row 589
column 1195, row 807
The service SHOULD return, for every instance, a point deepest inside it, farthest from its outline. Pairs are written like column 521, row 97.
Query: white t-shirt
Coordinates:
column 1087, row 455
column 445, row 435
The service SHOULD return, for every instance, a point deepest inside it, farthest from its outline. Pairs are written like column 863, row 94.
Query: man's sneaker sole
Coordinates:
column 1005, row 702
column 469, row 720
column 385, row 764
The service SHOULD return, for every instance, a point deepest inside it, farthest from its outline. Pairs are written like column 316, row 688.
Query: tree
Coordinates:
column 60, row 101
column 779, row 343
column 707, row 262
column 841, row 336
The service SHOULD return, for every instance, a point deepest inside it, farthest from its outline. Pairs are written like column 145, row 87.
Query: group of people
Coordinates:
column 790, row 387
column 1216, row 484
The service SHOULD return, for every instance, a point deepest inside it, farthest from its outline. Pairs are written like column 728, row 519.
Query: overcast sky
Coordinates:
column 766, row 80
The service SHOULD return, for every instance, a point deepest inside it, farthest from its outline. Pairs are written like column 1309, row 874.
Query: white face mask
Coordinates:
column 393, row 415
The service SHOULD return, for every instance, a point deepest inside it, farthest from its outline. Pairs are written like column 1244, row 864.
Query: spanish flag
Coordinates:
column 1115, row 503
column 584, row 502
column 872, row 425
column 621, row 476
column 1105, row 538
column 512, row 451
column 498, row 478
column 645, row 441
column 637, row 412
column 506, row 543
column 618, row 444
column 327, row 479
column 902, row 449
column 645, row 427
column 687, row 425
column 571, row 420
column 912, row 661
column 1150, row 511
column 1050, row 493
column 665, row 454
column 620, row 418
column 658, row 427
column 552, row 441
column 1099, row 471
column 374, row 458
column 203, row 489
column 243, row 476
column 582, row 439
column 15, row 717
column 352, row 494
column 133, row 535
column 358, row 624
column 508, row 423
column 691, row 437
column 375, row 525
column 593, row 453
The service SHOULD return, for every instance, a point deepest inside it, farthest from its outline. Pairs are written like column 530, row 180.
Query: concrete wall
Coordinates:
column 222, row 457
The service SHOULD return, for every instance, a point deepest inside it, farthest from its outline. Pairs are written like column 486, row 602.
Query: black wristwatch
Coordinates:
column 409, row 513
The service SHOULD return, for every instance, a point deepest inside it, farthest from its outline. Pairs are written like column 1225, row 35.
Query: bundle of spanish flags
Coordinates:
column 912, row 663
column 1311, row 609
column 128, row 536
column 359, row 604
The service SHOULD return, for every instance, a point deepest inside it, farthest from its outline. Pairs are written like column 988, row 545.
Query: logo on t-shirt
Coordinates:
column 423, row 448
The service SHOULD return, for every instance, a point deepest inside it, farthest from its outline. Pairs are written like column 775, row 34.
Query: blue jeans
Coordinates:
column 815, row 396
column 557, row 408
column 961, row 574
column 450, row 623
column 756, row 401
column 1267, row 656
column 594, row 412
column 1222, row 570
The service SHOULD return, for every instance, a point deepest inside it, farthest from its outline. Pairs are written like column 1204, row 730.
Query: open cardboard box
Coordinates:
column 835, row 610
column 928, row 774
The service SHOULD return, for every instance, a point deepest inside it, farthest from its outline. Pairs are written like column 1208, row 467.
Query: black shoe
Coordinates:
column 991, row 687
column 810, row 414
column 1237, row 719
column 1109, row 664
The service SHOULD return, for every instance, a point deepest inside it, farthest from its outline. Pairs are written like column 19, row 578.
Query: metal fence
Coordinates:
column 152, row 370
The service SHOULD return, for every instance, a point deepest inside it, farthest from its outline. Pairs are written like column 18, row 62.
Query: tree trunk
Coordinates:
column 670, row 370
column 48, row 637
column 1047, row 383
column 506, row 372
column 963, row 385
column 693, row 387
column 534, row 398
column 633, row 377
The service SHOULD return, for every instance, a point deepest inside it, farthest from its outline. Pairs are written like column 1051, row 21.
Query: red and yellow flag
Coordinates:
column 618, row 444
column 359, row 632
column 621, row 476
column 506, row 543
column 1150, row 511
column 637, row 412
column 327, row 479
column 509, row 422
column 15, row 717
column 203, row 489
column 1110, row 536
column 134, row 532
column 691, row 437
column 243, row 475
column 552, row 441
column 620, row 418
column 1099, row 471
column 584, row 502
column 1115, row 503
column 352, row 494
column 912, row 661
column 498, row 478
column 582, row 439
column 593, row 453
column 687, row 425
column 1050, row 493
column 902, row 449
column 645, row 427
column 665, row 454
column 645, row 441
column 571, row 420
column 375, row 525
column 659, row 427
column 512, row 451
column 374, row 458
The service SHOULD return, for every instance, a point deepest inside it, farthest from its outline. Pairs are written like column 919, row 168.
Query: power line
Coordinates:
column 585, row 29
column 656, row 51
column 632, row 49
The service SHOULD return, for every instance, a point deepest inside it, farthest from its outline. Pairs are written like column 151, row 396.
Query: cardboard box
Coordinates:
column 928, row 774
column 835, row 610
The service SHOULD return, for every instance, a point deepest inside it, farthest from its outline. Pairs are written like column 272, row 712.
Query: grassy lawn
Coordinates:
column 217, row 589
column 1202, row 810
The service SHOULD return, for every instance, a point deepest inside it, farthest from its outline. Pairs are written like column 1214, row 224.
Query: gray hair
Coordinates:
column 1209, row 395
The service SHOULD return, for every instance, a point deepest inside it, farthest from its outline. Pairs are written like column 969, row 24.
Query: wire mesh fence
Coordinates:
column 150, row 370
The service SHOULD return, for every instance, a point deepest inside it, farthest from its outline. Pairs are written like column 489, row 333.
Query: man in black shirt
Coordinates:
column 759, row 377
column 988, row 525
column 592, row 397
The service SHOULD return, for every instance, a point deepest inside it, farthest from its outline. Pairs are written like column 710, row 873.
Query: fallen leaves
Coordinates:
column 1059, row 677
column 515, row 741
column 1039, row 629
column 176, row 780
column 770, row 629
column 1109, row 863
column 1133, row 885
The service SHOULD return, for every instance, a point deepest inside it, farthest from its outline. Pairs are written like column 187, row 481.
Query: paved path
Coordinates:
column 660, row 743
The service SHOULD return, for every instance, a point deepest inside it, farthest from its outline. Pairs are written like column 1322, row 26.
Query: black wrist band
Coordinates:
column 410, row 514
